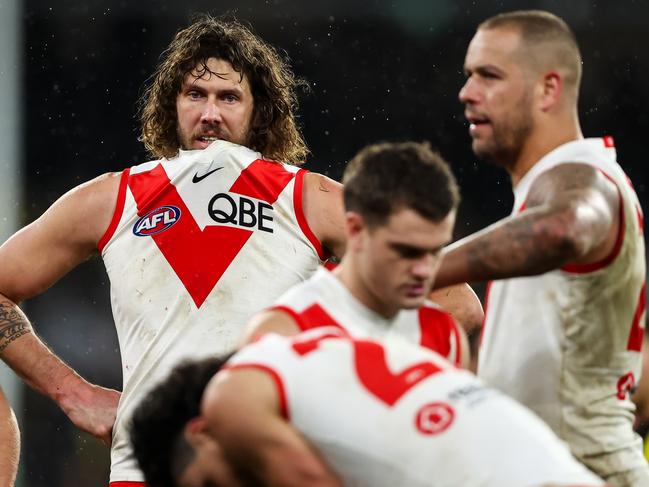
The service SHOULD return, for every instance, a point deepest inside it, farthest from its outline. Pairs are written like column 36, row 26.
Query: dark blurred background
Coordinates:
column 377, row 70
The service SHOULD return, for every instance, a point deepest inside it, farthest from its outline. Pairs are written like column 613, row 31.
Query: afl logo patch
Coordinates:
column 434, row 418
column 156, row 221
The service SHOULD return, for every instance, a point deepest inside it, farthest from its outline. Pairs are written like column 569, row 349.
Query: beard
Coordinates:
column 187, row 140
column 508, row 137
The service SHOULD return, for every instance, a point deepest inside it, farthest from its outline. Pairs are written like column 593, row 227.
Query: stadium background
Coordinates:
column 377, row 71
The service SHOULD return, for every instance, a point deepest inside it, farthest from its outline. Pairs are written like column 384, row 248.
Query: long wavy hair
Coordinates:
column 273, row 129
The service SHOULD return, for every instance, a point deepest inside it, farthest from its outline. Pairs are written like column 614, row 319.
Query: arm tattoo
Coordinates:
column 548, row 234
column 518, row 248
column 13, row 325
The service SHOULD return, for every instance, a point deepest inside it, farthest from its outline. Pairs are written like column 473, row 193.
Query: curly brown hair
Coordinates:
column 273, row 130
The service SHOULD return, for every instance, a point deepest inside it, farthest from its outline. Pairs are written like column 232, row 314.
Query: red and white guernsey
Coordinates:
column 198, row 243
column 567, row 343
column 324, row 300
column 388, row 413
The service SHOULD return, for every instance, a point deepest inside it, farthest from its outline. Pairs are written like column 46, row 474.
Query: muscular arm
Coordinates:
column 9, row 444
column 571, row 216
column 31, row 261
column 324, row 211
column 242, row 411
column 462, row 303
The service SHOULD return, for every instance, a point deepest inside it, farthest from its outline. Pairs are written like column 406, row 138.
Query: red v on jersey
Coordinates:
column 200, row 257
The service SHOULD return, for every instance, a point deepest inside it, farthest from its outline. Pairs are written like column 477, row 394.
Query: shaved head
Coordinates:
column 546, row 44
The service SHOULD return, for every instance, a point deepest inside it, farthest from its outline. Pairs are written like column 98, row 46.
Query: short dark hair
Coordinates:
column 548, row 35
column 273, row 129
column 158, row 422
column 384, row 178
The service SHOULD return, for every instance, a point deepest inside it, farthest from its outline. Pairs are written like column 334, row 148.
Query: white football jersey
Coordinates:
column 197, row 245
column 389, row 413
column 324, row 300
column 567, row 343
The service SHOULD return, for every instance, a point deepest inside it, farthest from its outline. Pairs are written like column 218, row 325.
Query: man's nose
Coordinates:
column 422, row 268
column 211, row 113
column 468, row 93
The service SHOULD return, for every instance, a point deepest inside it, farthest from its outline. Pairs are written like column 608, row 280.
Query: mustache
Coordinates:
column 209, row 131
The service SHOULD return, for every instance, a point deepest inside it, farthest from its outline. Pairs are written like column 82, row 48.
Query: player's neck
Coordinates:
column 542, row 140
column 350, row 277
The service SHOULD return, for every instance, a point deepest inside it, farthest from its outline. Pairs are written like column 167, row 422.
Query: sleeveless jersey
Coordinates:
column 324, row 300
column 393, row 414
column 198, row 243
column 567, row 343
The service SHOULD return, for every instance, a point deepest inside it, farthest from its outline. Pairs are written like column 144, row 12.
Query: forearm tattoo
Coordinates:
column 13, row 325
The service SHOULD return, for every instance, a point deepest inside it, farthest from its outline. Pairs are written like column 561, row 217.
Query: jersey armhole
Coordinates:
column 299, row 321
column 117, row 215
column 438, row 327
column 301, row 218
column 279, row 384
column 454, row 325
column 595, row 266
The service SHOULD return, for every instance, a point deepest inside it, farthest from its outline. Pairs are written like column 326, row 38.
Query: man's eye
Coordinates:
column 408, row 252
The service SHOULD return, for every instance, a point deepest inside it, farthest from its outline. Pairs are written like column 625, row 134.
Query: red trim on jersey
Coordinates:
column 595, row 266
column 640, row 218
column 117, row 215
column 458, row 343
column 292, row 313
column 263, row 180
column 312, row 317
column 330, row 266
column 637, row 330
column 299, row 213
column 190, row 250
column 608, row 141
column 127, row 484
column 375, row 374
column 437, row 328
column 281, row 390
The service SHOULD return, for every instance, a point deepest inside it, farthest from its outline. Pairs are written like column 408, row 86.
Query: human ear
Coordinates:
column 550, row 89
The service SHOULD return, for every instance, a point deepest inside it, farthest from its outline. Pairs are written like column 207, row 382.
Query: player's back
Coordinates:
column 393, row 414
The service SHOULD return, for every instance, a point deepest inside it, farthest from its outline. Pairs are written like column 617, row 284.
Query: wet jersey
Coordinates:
column 567, row 343
column 388, row 413
column 324, row 300
column 197, row 244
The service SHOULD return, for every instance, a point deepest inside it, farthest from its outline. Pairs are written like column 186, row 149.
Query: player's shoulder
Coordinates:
column 323, row 185
column 432, row 309
column 100, row 190
column 303, row 293
column 431, row 314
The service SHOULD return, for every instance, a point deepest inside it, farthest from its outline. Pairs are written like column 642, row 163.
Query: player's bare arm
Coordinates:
column 462, row 303
column 571, row 216
column 269, row 321
column 243, row 413
column 324, row 211
column 9, row 444
column 31, row 261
